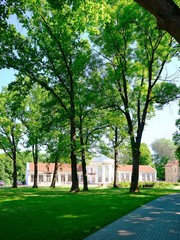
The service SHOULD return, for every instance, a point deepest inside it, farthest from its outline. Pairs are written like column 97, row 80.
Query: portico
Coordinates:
column 100, row 170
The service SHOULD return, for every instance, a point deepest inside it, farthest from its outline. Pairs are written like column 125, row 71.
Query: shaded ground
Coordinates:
column 157, row 220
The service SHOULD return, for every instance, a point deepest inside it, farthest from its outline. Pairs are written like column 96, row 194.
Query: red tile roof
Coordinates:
column 142, row 168
column 172, row 163
column 49, row 167
column 66, row 167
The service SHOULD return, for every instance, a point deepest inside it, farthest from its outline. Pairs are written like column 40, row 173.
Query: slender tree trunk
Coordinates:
column 135, row 168
column 14, row 170
column 75, row 183
column 53, row 183
column 135, row 148
column 115, row 158
column 85, row 181
column 83, row 157
column 35, row 158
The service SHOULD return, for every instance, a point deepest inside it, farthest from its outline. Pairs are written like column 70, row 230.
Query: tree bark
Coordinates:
column 14, row 170
column 53, row 183
column 167, row 14
column 115, row 158
column 85, row 181
column 83, row 156
column 75, row 183
column 35, row 158
column 135, row 167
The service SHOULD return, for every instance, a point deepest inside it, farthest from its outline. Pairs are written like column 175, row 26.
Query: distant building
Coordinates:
column 172, row 171
column 100, row 170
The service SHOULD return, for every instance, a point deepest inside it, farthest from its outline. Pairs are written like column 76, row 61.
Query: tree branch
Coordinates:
column 167, row 14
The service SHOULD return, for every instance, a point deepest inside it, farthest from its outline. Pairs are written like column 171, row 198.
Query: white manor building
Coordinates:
column 100, row 170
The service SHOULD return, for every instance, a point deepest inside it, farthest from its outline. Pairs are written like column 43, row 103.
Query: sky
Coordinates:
column 162, row 125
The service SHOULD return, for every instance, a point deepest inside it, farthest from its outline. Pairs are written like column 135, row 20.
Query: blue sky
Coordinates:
column 160, row 126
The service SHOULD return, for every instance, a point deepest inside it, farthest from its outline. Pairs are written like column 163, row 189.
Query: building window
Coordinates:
column 81, row 178
column 106, row 173
column 148, row 177
column 117, row 178
column 143, row 177
column 127, row 177
column 40, row 178
column 48, row 177
column 63, row 178
column 99, row 173
column 69, row 178
column 32, row 177
column 153, row 177
column 122, row 177
column 57, row 179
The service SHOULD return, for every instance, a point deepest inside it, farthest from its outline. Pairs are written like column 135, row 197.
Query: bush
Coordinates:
column 124, row 184
column 163, row 185
column 143, row 183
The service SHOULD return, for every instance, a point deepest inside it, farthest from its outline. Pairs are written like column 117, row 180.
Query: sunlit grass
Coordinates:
column 45, row 213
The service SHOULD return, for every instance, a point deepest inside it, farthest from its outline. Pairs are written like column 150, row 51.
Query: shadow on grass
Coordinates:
column 46, row 213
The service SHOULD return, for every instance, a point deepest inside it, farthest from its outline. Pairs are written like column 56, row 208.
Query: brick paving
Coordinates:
column 157, row 220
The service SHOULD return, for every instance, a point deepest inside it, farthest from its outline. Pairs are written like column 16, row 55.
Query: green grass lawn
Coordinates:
column 53, row 214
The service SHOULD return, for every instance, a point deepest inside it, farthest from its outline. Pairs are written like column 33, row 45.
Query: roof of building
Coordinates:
column 172, row 163
column 102, row 159
column 66, row 167
column 142, row 168
column 49, row 167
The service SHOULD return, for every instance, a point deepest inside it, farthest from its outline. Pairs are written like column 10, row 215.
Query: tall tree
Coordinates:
column 28, row 110
column 6, row 169
column 11, row 130
column 164, row 151
column 52, row 53
column 163, row 148
column 176, row 136
column 56, row 134
column 116, row 134
column 135, row 54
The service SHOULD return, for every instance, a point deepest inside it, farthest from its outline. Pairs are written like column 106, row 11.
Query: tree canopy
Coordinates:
column 83, row 66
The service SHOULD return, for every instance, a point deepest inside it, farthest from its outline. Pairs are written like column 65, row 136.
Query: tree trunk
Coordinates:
column 83, row 156
column 115, row 158
column 35, row 158
column 14, row 170
column 53, row 183
column 167, row 14
column 85, row 181
column 75, row 184
column 115, row 168
column 135, row 167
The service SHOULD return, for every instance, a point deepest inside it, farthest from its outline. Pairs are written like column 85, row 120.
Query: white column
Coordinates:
column 140, row 177
column 150, row 177
column 120, row 177
column 44, row 178
column 59, row 178
column 103, row 173
column 110, row 172
column 90, row 179
column 96, row 176
column 66, row 178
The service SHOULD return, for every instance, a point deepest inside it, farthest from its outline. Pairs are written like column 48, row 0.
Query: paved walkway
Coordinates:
column 157, row 220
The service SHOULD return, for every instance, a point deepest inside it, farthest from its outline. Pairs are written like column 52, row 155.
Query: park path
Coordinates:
column 156, row 220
